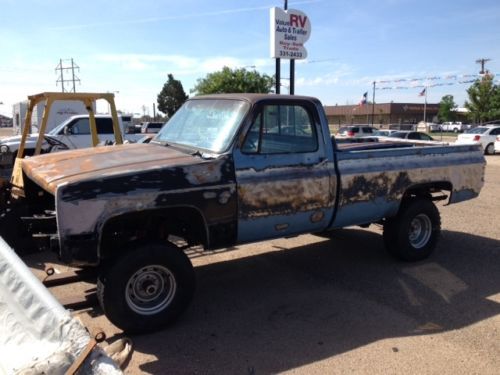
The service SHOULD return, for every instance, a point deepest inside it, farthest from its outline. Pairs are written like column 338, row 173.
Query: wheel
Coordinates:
column 455, row 130
column 490, row 149
column 413, row 234
column 147, row 288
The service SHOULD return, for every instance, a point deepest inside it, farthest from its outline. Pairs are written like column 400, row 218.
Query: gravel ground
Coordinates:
column 335, row 304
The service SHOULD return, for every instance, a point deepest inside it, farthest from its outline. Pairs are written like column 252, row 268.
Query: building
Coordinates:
column 5, row 121
column 384, row 114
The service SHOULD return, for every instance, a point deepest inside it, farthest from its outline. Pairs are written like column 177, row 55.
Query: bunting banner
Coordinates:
column 420, row 86
column 434, row 78
column 458, row 79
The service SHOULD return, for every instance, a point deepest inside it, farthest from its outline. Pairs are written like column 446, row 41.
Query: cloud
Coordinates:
column 180, row 65
column 175, row 17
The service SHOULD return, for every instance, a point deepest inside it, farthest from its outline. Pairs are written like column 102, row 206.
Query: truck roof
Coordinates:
column 254, row 98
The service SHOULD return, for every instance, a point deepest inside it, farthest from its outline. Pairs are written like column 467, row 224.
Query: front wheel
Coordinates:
column 413, row 234
column 147, row 288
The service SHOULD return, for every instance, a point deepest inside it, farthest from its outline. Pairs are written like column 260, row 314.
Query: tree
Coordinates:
column 484, row 100
column 231, row 81
column 171, row 96
column 446, row 107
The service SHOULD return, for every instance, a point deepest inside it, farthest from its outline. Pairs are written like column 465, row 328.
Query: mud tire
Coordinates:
column 147, row 288
column 413, row 234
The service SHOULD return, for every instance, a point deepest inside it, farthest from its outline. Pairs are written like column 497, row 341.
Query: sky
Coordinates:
column 129, row 47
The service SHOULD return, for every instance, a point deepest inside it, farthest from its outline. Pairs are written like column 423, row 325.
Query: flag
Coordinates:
column 363, row 99
column 422, row 93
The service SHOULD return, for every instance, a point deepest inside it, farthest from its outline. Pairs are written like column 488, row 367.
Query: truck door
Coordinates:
column 77, row 134
column 284, row 182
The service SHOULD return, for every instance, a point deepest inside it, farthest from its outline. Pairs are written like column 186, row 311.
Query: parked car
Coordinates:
column 384, row 132
column 484, row 135
column 455, row 127
column 419, row 136
column 355, row 131
column 151, row 127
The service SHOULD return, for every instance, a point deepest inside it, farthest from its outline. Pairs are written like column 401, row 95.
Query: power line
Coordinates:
column 62, row 68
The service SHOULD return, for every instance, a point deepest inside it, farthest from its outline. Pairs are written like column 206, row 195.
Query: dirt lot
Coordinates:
column 336, row 305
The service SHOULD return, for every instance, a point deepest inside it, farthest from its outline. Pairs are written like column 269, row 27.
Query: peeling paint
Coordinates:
column 284, row 197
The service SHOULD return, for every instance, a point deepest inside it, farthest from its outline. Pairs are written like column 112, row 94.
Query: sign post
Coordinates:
column 290, row 30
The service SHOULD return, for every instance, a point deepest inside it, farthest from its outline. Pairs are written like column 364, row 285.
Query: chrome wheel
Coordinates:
column 420, row 231
column 150, row 290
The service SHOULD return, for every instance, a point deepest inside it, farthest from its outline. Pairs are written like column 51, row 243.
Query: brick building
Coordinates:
column 384, row 113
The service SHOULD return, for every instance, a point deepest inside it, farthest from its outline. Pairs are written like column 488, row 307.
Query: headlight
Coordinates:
column 4, row 149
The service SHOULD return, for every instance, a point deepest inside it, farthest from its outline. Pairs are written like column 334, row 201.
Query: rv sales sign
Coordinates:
column 290, row 29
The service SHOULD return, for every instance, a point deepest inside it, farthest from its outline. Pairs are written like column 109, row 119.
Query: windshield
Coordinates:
column 479, row 130
column 58, row 129
column 208, row 124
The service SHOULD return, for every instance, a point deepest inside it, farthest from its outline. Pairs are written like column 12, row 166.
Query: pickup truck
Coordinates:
column 455, row 127
column 70, row 134
column 228, row 169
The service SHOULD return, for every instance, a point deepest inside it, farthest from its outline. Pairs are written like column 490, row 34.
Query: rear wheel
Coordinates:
column 147, row 288
column 413, row 234
column 490, row 149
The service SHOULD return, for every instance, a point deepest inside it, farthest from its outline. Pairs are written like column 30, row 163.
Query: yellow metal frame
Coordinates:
column 88, row 99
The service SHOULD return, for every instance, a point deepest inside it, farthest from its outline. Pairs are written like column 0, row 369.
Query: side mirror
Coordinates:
column 67, row 131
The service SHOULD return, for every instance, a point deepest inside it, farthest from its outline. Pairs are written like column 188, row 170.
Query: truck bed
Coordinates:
column 373, row 143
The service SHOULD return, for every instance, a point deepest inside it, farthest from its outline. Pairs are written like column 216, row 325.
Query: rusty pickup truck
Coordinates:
column 225, row 170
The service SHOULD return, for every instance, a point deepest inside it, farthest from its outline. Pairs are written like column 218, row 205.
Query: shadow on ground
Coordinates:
column 284, row 309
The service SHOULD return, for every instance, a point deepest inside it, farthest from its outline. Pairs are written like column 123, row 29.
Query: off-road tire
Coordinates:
column 147, row 288
column 413, row 234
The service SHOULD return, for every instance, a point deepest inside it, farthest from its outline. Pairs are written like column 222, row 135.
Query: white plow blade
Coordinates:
column 35, row 329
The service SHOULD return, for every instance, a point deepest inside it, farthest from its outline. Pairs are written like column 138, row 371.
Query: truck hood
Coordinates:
column 52, row 170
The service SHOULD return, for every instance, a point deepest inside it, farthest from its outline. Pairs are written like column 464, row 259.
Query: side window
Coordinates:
column 425, row 137
column 355, row 130
column 281, row 129
column 81, row 126
column 367, row 130
column 495, row 131
column 413, row 136
column 104, row 125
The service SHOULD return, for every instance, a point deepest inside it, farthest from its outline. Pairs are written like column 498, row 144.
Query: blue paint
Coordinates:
column 264, row 228
column 365, row 212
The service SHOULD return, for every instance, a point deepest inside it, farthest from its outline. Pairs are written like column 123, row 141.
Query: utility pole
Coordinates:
column 482, row 62
column 373, row 103
column 62, row 68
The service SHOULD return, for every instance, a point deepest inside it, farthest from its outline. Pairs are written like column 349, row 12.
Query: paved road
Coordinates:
column 339, row 305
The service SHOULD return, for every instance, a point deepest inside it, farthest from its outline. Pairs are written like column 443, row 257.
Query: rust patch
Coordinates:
column 317, row 216
column 283, row 197
column 367, row 188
